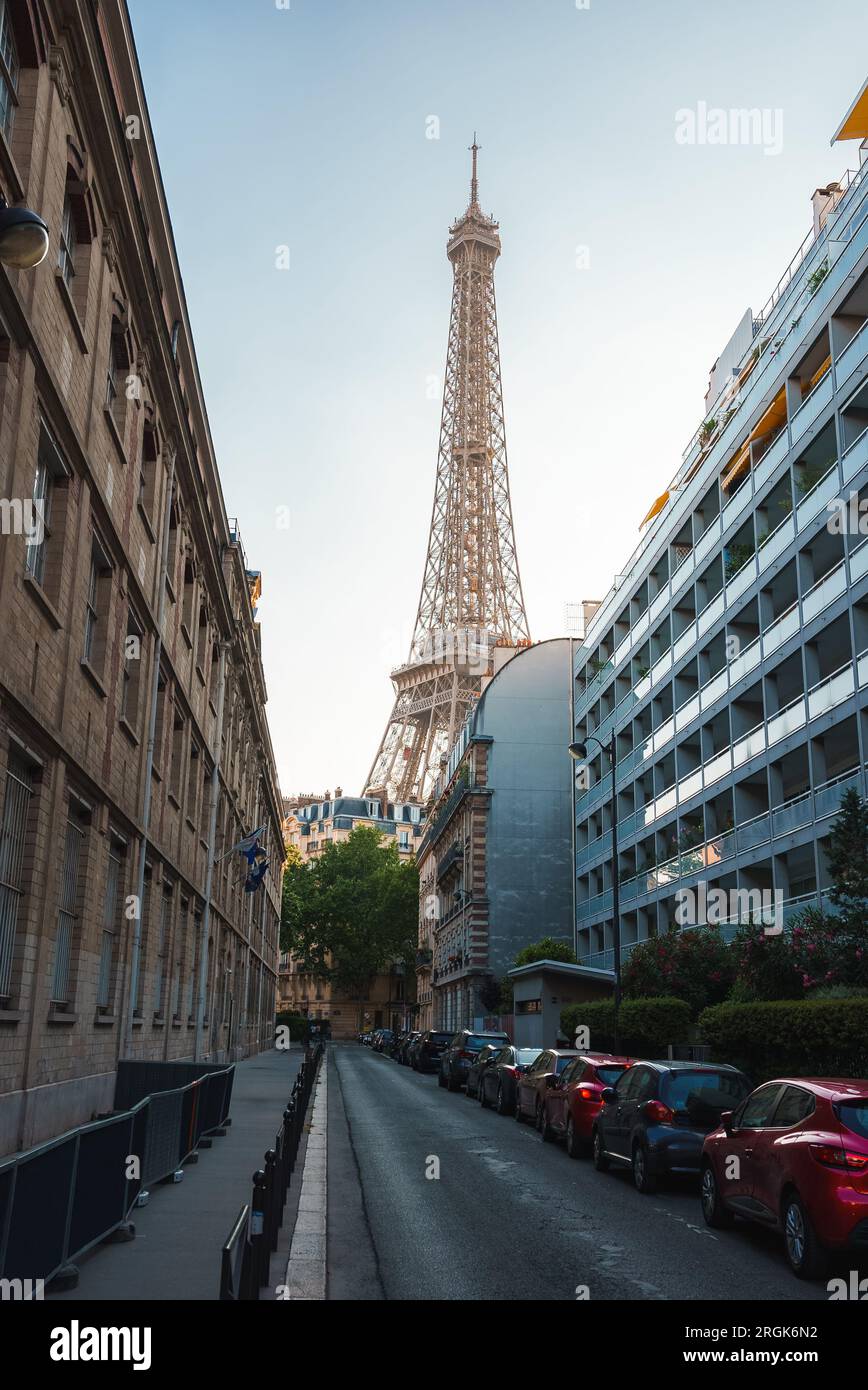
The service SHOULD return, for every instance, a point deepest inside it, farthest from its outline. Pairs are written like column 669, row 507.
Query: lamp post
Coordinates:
column 23, row 237
column 579, row 754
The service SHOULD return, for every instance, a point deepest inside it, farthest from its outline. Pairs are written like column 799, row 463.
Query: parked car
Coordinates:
column 802, row 1150
column 382, row 1039
column 403, row 1053
column 573, row 1101
column 428, row 1048
column 497, row 1082
column 364, row 1039
column 483, row 1059
column 531, row 1086
column 655, row 1119
column 462, row 1052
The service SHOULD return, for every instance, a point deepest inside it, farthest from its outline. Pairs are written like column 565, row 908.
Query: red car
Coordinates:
column 532, row 1085
column 572, row 1100
column 794, row 1157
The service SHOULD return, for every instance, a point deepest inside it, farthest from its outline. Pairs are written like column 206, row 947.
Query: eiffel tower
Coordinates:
column 471, row 600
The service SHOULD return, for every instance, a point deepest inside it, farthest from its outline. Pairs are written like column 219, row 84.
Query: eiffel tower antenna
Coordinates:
column 471, row 597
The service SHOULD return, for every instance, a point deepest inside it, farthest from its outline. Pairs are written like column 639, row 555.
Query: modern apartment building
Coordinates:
column 494, row 858
column 730, row 660
column 104, row 433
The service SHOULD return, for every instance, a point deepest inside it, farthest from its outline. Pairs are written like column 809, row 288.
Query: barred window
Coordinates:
column 68, row 913
column 110, row 923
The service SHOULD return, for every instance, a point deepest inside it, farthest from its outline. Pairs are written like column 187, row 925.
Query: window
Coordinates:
column 44, row 531
column 16, row 813
column 194, row 972
column 8, row 71
column 161, row 964
column 68, row 914
column 794, row 1106
column 177, row 754
column 96, row 606
column 117, row 371
column 193, row 784
column 132, row 670
column 757, row 1112
column 68, row 239
column 110, row 923
column 148, row 468
column 180, row 958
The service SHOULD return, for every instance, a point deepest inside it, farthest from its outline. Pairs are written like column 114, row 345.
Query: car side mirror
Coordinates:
column 552, row 1082
column 609, row 1095
column 726, row 1120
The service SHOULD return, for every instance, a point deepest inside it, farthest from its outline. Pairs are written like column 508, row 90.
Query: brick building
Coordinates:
column 103, row 431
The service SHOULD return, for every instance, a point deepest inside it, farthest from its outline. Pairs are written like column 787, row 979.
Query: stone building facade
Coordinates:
column 104, row 440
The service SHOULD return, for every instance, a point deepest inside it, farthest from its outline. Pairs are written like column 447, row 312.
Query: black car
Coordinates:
column 655, row 1119
column 402, row 1054
column 383, row 1040
column 483, row 1059
column 497, row 1084
column 460, row 1055
column 428, row 1048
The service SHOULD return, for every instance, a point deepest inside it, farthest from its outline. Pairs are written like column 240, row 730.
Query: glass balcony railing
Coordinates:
column 852, row 358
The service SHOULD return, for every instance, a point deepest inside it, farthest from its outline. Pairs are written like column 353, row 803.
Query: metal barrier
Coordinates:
column 63, row 1197
column 246, row 1253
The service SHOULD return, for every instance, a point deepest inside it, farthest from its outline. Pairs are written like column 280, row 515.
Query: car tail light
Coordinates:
column 469, row 1055
column 657, row 1112
column 585, row 1093
column 831, row 1157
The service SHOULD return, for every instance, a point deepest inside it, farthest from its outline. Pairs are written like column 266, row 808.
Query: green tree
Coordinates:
column 546, row 949
column 353, row 911
column 847, row 857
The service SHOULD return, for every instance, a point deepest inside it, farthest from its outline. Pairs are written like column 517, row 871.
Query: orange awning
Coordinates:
column 775, row 415
column 655, row 509
column 855, row 124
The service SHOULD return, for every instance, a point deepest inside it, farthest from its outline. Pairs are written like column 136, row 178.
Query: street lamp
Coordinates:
column 23, row 237
column 579, row 754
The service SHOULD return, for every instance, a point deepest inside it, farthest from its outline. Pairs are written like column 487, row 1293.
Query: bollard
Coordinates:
column 270, row 1232
column 258, row 1250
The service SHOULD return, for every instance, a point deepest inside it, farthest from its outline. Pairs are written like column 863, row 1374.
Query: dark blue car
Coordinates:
column 655, row 1119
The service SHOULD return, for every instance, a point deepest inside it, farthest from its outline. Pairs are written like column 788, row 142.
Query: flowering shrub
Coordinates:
column 819, row 952
column 696, row 966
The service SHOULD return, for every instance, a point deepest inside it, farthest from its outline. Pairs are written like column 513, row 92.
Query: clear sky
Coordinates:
column 629, row 257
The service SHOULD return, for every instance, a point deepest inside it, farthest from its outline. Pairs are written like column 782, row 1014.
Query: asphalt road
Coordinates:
column 509, row 1216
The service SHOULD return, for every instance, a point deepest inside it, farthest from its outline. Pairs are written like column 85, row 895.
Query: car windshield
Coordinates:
column 609, row 1075
column 683, row 1084
column 476, row 1044
column 440, row 1037
column 525, row 1055
column 854, row 1116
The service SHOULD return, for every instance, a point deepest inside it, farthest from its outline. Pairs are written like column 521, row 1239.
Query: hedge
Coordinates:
column 296, row 1023
column 647, row 1026
column 811, row 1037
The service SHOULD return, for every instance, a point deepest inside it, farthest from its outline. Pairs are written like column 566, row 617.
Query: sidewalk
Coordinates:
column 179, row 1234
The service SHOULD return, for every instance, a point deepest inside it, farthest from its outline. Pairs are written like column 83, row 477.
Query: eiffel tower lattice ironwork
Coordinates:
column 471, row 599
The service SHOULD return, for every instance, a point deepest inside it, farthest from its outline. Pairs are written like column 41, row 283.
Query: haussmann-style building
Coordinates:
column 104, row 439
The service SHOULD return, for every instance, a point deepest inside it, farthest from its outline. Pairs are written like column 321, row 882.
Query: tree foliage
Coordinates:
column 350, row 913
column 546, row 949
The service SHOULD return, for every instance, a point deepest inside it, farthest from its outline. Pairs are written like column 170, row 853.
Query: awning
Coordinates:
column 775, row 415
column 655, row 509
column 855, row 124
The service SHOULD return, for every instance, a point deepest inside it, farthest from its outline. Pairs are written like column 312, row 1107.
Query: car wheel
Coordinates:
column 483, row 1099
column 716, row 1214
column 441, row 1079
column 576, row 1147
column 450, row 1081
column 545, row 1128
column 807, row 1257
column 500, row 1103
column 642, row 1176
column 518, row 1111
column 601, row 1158
column 539, row 1117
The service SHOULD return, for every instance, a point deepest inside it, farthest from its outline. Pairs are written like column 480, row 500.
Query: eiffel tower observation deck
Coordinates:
column 471, row 601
